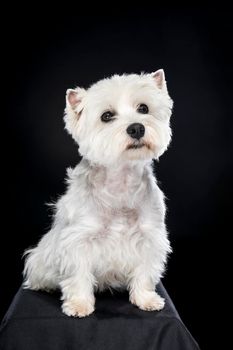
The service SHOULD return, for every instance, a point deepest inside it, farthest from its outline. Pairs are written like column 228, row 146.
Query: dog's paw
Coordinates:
column 150, row 301
column 77, row 307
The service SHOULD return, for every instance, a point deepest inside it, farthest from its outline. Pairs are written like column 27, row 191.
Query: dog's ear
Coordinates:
column 74, row 107
column 159, row 78
column 73, row 100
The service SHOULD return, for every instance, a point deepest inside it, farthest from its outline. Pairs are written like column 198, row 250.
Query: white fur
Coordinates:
column 108, row 228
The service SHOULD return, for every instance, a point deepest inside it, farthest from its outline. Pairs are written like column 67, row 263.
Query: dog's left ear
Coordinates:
column 159, row 78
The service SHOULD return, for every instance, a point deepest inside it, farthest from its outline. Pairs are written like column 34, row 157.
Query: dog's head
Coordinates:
column 121, row 118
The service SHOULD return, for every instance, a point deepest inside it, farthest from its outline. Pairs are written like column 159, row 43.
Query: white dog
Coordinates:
column 109, row 228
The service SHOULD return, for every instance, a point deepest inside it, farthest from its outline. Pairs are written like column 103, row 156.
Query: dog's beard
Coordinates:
column 138, row 150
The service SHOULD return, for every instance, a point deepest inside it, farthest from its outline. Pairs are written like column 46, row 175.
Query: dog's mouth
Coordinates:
column 135, row 146
column 138, row 145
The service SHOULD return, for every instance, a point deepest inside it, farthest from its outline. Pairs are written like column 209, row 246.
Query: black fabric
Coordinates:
column 35, row 321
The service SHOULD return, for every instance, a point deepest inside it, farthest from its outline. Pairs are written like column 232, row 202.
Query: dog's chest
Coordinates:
column 118, row 239
column 119, row 222
column 118, row 198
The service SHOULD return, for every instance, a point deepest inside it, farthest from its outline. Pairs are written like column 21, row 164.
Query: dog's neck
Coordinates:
column 119, row 185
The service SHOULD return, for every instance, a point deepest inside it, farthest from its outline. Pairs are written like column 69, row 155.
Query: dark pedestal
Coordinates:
column 35, row 321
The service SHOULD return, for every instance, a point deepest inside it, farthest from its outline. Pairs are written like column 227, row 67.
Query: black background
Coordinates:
column 47, row 51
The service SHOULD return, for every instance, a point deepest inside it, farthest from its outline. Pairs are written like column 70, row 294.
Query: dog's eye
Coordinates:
column 143, row 109
column 107, row 116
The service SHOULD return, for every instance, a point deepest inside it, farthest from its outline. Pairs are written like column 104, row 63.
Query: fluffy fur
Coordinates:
column 108, row 229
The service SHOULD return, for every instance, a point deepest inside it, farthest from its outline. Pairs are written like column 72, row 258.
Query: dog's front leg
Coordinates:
column 78, row 294
column 142, row 290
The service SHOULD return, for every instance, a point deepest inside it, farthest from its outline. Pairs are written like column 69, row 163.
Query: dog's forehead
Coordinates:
column 120, row 86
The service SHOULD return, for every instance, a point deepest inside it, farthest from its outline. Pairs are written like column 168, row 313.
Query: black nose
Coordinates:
column 136, row 130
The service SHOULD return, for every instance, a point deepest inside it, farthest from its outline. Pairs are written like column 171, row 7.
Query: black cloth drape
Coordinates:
column 35, row 321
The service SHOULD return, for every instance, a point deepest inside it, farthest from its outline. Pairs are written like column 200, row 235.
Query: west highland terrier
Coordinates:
column 109, row 229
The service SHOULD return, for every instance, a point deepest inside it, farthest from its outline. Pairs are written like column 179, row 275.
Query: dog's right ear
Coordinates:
column 74, row 108
column 73, row 100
